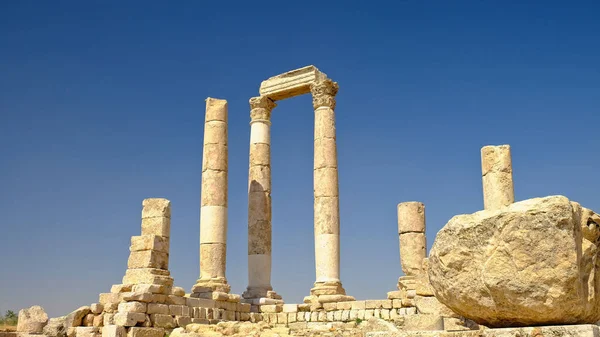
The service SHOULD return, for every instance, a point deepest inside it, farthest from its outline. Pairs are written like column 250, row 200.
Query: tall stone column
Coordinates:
column 213, row 208
column 496, row 170
column 259, row 202
column 326, row 194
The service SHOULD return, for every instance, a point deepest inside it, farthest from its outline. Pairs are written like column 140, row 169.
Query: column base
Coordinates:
column 327, row 292
column 204, row 286
column 261, row 296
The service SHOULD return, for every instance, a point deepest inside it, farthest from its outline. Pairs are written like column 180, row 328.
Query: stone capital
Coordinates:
column 261, row 108
column 323, row 93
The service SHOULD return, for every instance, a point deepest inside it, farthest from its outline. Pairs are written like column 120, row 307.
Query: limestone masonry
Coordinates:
column 526, row 268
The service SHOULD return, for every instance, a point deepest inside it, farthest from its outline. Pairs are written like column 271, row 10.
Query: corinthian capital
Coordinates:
column 261, row 108
column 323, row 93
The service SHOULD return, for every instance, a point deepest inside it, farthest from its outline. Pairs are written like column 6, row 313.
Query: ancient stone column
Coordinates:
column 259, row 201
column 213, row 206
column 411, row 232
column 326, row 191
column 496, row 170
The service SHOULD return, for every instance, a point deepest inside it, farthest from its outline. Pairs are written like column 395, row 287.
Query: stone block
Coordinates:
column 396, row 303
column 423, row 288
column 109, row 301
column 96, row 308
column 245, row 307
column 177, row 291
column 129, row 318
column 290, row 308
column 176, row 310
column 408, row 302
column 358, row 305
column 109, row 319
column 137, row 297
column 219, row 296
column 159, row 298
column 88, row 320
column 32, row 320
column 330, row 316
column 158, row 308
column 98, row 320
column 330, row 306
column 182, row 321
column 75, row 318
column 344, row 305
column 178, row 300
column 337, row 315
column 199, row 321
column 156, row 207
column 132, row 307
column 149, row 242
column 423, row 322
column 87, row 331
column 113, row 331
column 163, row 321
column 148, row 276
column 345, row 315
column 148, row 259
column 159, row 226
column 234, row 298
column 271, row 308
column 145, row 332
column 378, row 304
column 292, row 83
column 303, row 307
column 120, row 288
column 282, row 318
column 396, row 294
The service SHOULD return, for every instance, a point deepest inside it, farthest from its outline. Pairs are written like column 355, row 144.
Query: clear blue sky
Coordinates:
column 102, row 105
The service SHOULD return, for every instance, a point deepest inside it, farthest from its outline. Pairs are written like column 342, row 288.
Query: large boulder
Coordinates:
column 32, row 320
column 531, row 263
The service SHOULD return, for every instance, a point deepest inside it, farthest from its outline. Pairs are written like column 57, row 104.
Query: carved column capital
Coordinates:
column 261, row 108
column 323, row 93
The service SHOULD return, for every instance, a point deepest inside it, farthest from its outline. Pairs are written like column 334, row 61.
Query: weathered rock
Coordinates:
column 76, row 317
column 525, row 264
column 32, row 320
column 56, row 327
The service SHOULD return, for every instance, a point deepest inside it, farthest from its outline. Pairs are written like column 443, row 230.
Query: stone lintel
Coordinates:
column 290, row 84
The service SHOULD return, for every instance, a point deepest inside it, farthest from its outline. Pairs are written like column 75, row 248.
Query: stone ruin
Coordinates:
column 512, row 269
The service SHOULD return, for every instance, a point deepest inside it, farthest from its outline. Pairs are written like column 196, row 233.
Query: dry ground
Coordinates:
column 8, row 327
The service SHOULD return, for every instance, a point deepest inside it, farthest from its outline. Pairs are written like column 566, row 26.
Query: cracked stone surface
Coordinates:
column 532, row 263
